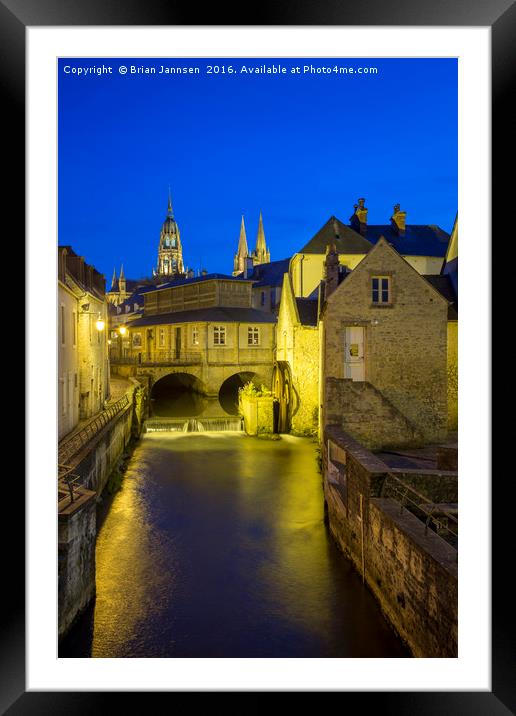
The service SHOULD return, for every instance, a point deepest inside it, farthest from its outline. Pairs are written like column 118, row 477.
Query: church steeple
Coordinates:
column 170, row 252
column 170, row 212
column 121, row 280
column 114, row 280
column 242, row 251
column 261, row 255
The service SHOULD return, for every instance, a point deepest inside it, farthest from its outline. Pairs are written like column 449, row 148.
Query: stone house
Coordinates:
column 384, row 351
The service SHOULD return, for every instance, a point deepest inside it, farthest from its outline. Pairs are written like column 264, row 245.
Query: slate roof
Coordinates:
column 307, row 309
column 419, row 239
column 196, row 279
column 444, row 285
column 217, row 314
column 270, row 274
column 347, row 242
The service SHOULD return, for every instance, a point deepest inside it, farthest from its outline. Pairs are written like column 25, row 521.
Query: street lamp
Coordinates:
column 121, row 333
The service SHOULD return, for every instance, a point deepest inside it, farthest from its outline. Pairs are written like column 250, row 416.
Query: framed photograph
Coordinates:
column 216, row 312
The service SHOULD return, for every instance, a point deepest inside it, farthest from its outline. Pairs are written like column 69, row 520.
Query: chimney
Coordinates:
column 204, row 272
column 248, row 267
column 331, row 269
column 191, row 273
column 398, row 220
column 359, row 219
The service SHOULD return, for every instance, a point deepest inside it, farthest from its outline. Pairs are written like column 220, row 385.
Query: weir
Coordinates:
column 193, row 425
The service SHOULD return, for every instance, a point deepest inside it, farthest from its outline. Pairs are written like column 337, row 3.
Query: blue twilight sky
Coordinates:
column 298, row 146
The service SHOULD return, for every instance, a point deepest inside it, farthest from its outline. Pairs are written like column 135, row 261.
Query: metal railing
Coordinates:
column 435, row 515
column 70, row 446
column 158, row 358
column 68, row 484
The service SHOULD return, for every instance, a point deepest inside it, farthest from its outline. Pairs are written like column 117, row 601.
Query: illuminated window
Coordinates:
column 137, row 340
column 195, row 336
column 381, row 289
column 219, row 335
column 253, row 336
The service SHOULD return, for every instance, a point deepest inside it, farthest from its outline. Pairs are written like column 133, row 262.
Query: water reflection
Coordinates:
column 216, row 547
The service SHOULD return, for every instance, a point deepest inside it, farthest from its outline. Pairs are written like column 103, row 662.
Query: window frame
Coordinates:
column 253, row 332
column 380, row 290
column 219, row 332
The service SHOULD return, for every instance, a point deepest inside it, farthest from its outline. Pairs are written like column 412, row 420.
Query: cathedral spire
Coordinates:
column 114, row 287
column 121, row 280
column 242, row 241
column 170, row 212
column 261, row 254
column 242, row 251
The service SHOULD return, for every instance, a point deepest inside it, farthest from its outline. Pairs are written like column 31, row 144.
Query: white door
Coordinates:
column 354, row 353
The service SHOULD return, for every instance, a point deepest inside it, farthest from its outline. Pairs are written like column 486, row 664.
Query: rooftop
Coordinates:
column 216, row 314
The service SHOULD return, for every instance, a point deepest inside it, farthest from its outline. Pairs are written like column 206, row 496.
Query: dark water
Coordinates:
column 216, row 547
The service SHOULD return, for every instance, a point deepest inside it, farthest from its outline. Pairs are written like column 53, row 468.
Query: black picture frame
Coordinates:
column 500, row 15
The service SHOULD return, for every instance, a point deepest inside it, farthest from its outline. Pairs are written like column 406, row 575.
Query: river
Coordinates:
column 216, row 546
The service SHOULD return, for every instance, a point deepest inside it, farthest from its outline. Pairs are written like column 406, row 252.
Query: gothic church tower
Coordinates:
column 170, row 251
column 260, row 254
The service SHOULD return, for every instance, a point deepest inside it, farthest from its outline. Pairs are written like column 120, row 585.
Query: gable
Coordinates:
column 383, row 259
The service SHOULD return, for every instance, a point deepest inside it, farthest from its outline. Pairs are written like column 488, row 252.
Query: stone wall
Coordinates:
column 411, row 571
column 76, row 558
column 258, row 414
column 367, row 415
column 77, row 520
column 453, row 375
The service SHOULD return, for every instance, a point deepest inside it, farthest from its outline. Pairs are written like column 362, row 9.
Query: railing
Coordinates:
column 72, row 445
column 68, row 484
column 158, row 358
column 435, row 515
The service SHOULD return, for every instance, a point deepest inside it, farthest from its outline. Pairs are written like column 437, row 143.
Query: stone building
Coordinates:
column 422, row 246
column 83, row 363
column 296, row 373
column 206, row 328
column 384, row 351
column 245, row 259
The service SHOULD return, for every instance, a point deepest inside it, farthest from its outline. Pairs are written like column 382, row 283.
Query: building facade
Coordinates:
column 83, row 362
column 204, row 327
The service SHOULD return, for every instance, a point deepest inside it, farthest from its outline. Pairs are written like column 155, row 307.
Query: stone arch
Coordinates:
column 282, row 390
column 178, row 394
column 228, row 391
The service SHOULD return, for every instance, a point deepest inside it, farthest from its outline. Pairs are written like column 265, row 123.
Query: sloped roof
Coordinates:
column 444, row 285
column 217, row 314
column 270, row 274
column 307, row 309
column 419, row 239
column 347, row 241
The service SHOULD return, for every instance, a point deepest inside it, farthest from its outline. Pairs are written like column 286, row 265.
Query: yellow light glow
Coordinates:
column 123, row 330
column 100, row 324
column 109, row 342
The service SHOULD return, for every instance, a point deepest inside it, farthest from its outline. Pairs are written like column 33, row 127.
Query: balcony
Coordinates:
column 157, row 358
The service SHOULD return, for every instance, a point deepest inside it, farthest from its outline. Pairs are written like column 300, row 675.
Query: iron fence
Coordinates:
column 69, row 447
column 68, row 485
column 436, row 516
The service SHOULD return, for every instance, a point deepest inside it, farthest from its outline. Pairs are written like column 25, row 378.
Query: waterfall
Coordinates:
column 193, row 425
